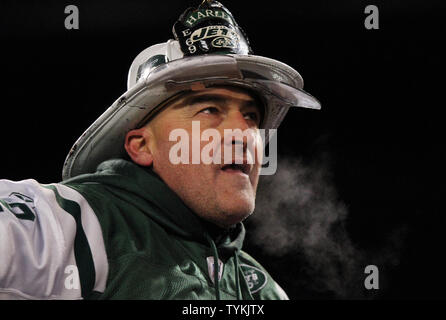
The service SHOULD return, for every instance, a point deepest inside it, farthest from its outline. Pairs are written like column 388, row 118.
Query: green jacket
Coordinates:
column 119, row 233
column 157, row 248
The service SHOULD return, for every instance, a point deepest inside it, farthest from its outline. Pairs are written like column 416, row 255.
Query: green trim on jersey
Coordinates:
column 82, row 252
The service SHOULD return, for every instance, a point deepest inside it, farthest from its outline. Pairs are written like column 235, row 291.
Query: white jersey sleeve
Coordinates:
column 51, row 244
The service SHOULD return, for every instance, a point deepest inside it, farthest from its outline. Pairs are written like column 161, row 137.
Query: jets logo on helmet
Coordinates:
column 210, row 29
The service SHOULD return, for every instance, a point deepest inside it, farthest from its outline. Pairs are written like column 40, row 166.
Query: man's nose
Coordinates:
column 235, row 120
column 237, row 131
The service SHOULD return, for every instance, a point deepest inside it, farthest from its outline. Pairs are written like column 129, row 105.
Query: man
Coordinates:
column 130, row 221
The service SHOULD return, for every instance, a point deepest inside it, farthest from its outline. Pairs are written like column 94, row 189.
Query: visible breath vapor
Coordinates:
column 298, row 211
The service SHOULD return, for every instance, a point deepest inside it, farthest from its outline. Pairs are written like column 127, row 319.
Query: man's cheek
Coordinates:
column 258, row 149
column 254, row 177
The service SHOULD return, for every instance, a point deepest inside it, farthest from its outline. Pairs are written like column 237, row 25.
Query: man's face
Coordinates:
column 218, row 192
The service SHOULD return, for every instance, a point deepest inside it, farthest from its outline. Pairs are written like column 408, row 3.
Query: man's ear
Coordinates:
column 137, row 146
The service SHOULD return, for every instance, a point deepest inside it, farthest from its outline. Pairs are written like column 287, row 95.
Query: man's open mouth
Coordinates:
column 234, row 167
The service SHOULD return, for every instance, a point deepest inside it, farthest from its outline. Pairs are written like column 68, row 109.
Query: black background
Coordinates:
column 381, row 92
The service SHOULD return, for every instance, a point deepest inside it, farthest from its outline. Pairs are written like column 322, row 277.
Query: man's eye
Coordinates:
column 209, row 110
column 252, row 116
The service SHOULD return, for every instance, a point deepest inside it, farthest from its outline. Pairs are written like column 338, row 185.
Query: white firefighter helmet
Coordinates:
column 209, row 49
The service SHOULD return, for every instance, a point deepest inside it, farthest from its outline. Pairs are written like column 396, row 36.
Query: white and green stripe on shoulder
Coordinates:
column 51, row 243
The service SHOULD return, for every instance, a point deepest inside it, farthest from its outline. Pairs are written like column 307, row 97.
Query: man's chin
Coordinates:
column 235, row 212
